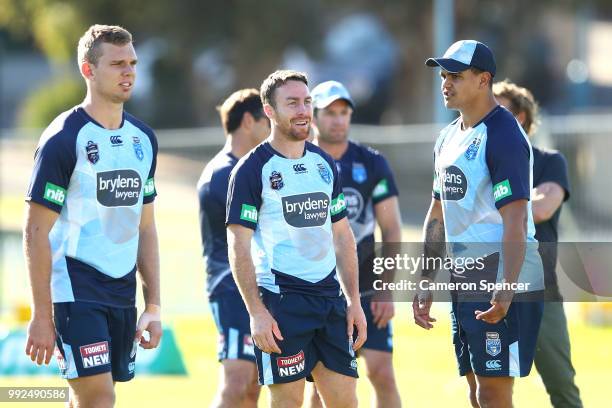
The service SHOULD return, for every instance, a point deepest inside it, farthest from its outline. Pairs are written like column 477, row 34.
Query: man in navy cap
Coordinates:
column 480, row 209
column 371, row 198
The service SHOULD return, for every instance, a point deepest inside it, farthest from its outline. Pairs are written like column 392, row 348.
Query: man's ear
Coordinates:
column 87, row 70
column 521, row 117
column 247, row 120
column 486, row 80
column 269, row 111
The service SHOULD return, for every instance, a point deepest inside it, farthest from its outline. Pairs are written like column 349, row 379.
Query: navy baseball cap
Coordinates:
column 329, row 91
column 463, row 55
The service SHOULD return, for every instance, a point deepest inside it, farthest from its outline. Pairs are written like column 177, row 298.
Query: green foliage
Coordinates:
column 51, row 99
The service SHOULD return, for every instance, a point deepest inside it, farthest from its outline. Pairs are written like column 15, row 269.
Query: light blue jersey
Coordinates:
column 97, row 180
column 477, row 171
column 290, row 204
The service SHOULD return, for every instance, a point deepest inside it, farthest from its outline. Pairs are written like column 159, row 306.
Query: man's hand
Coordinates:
column 150, row 321
column 382, row 312
column 420, row 309
column 495, row 313
column 41, row 339
column 265, row 331
column 356, row 317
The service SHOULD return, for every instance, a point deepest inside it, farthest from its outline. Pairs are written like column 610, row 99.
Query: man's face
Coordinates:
column 292, row 114
column 334, row 121
column 459, row 89
column 115, row 74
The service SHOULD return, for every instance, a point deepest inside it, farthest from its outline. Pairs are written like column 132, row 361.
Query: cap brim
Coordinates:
column 324, row 103
column 450, row 65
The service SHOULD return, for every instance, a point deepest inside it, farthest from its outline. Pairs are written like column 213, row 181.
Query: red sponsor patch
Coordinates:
column 291, row 360
column 94, row 349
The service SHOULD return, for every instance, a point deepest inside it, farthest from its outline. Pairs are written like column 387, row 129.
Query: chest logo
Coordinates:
column 354, row 202
column 359, row 173
column 324, row 173
column 116, row 141
column 137, row 147
column 472, row 149
column 454, row 184
column 276, row 180
column 306, row 210
column 93, row 153
column 300, row 168
column 118, row 188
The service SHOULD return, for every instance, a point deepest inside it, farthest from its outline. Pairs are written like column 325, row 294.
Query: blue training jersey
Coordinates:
column 97, row 180
column 212, row 193
column 477, row 171
column 366, row 181
column 290, row 204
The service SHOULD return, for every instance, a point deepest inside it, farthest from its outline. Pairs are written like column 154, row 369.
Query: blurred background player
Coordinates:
column 245, row 126
column 551, row 181
column 371, row 194
column 90, row 225
column 481, row 193
column 292, row 253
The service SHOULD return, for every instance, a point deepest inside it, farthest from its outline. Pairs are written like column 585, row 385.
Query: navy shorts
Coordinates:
column 504, row 349
column 93, row 339
column 314, row 329
column 232, row 320
column 378, row 339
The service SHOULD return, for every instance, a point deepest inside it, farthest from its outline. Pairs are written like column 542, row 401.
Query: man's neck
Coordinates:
column 239, row 143
column 335, row 150
column 477, row 110
column 291, row 149
column 107, row 114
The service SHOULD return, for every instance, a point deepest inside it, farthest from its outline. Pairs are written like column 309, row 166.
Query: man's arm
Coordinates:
column 434, row 239
column 264, row 328
column 148, row 268
column 389, row 220
column 546, row 200
column 514, row 244
column 346, row 258
column 37, row 250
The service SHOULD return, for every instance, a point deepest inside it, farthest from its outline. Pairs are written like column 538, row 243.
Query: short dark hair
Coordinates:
column 89, row 44
column 521, row 100
column 236, row 105
column 478, row 71
column 276, row 80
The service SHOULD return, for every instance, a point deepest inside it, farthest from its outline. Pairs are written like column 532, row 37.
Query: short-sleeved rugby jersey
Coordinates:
column 366, row 180
column 97, row 180
column 479, row 170
column 212, row 193
column 290, row 204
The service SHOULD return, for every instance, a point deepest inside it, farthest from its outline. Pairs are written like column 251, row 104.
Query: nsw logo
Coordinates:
column 493, row 365
column 118, row 188
column 324, row 173
column 306, row 210
column 454, row 184
column 300, row 168
column 93, row 153
column 137, row 147
column 276, row 180
column 493, row 343
column 359, row 173
column 94, row 355
column 472, row 150
column 116, row 141
column 292, row 365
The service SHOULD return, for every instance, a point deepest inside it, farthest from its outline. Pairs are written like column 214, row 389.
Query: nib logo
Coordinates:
column 55, row 194
column 502, row 190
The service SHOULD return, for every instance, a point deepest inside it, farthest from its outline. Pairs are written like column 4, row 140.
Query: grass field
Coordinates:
column 424, row 361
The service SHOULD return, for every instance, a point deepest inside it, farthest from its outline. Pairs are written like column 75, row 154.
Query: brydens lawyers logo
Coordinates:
column 306, row 210
column 94, row 355
column 292, row 365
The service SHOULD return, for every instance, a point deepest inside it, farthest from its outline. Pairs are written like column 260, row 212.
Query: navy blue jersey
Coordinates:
column 291, row 205
column 550, row 166
column 97, row 179
column 212, row 193
column 366, row 181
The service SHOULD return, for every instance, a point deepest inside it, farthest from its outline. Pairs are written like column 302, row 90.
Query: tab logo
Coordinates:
column 292, row 365
column 94, row 355
column 55, row 194
column 248, row 213
column 502, row 190
column 306, row 210
column 118, row 188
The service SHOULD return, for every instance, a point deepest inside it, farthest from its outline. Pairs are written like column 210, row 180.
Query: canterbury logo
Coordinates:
column 116, row 140
column 493, row 364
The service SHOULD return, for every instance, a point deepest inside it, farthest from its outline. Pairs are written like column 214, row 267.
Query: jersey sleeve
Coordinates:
column 150, row 191
column 54, row 162
column 244, row 194
column 555, row 170
column 338, row 204
column 385, row 183
column 507, row 157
